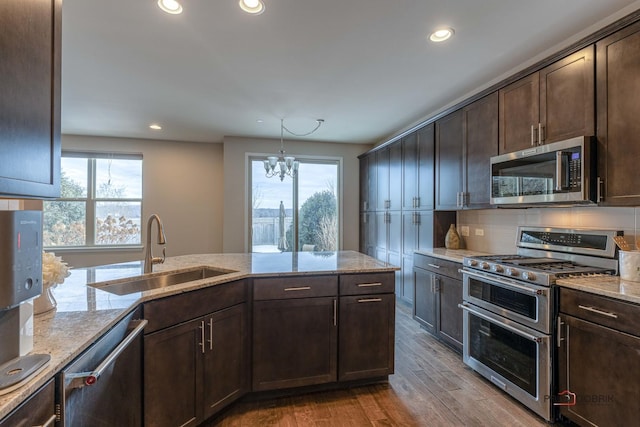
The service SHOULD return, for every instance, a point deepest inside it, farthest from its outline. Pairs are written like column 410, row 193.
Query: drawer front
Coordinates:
column 294, row 287
column 371, row 283
column 180, row 308
column 615, row 314
column 438, row 265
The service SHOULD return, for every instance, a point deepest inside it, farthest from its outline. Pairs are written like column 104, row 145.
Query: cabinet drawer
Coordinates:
column 189, row 305
column 438, row 265
column 373, row 283
column 615, row 314
column 38, row 409
column 294, row 287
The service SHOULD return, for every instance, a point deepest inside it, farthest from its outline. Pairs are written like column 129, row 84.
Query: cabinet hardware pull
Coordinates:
column 202, row 335
column 368, row 285
column 417, row 202
column 436, row 284
column 49, row 421
column 599, row 192
column 365, row 206
column 211, row 333
column 597, row 311
column 370, row 300
column 433, row 265
column 559, row 338
column 540, row 134
column 335, row 312
column 299, row 288
column 364, row 218
column 417, row 218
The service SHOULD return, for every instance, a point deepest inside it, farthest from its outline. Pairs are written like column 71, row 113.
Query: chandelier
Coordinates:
column 282, row 165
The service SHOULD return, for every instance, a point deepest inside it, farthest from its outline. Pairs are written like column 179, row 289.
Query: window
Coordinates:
column 299, row 214
column 100, row 202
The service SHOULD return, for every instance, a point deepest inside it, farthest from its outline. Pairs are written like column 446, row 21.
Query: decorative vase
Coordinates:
column 452, row 238
column 46, row 301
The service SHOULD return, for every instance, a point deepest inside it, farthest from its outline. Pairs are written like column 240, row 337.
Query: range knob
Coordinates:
column 472, row 262
column 527, row 275
column 497, row 268
column 485, row 266
column 513, row 272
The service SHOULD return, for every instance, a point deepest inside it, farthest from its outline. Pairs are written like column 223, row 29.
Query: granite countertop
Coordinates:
column 455, row 255
column 608, row 286
column 85, row 312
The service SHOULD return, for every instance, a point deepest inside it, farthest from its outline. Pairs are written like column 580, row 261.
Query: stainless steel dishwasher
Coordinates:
column 103, row 386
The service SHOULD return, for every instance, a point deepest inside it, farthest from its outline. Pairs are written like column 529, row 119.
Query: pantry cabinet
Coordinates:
column 418, row 151
column 30, row 98
column 550, row 105
column 618, row 79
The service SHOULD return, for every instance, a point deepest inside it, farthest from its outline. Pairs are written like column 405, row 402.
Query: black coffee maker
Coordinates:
column 20, row 281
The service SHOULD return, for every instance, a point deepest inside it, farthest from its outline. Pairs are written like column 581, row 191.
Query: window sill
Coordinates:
column 97, row 249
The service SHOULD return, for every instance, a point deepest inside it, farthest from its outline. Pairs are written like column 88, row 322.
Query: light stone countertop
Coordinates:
column 455, row 255
column 608, row 286
column 84, row 313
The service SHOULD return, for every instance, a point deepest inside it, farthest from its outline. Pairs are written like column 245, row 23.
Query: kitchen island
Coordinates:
column 84, row 312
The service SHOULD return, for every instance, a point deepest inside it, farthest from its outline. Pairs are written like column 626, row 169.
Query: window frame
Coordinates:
column 338, row 161
column 91, row 200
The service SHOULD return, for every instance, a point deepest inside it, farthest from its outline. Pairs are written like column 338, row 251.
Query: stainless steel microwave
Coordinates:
column 560, row 172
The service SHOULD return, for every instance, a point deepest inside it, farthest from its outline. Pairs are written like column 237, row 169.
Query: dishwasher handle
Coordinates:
column 81, row 379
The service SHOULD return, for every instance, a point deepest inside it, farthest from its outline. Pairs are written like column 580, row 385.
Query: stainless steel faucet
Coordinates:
column 149, row 259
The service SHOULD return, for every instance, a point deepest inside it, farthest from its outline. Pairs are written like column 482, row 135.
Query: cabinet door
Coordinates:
column 381, row 221
column 395, row 231
column 30, row 98
column 410, row 223
column 39, row 409
column 382, row 179
column 407, row 278
column 409, row 171
column 294, row 342
column 364, row 183
column 450, row 315
column 480, row 143
column 426, row 165
column 599, row 365
column 449, row 161
column 567, row 97
column 519, row 110
column 225, row 364
column 395, row 176
column 367, row 324
column 367, row 233
column 172, row 379
column 424, row 302
column 618, row 77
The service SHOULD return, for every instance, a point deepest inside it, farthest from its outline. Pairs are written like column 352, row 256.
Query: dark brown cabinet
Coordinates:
column 449, row 161
column 438, row 291
column 295, row 331
column 30, row 98
column 418, row 169
column 193, row 367
column 367, row 326
column 550, row 105
column 39, row 409
column 480, row 136
column 599, row 355
column 368, row 183
column 618, row 77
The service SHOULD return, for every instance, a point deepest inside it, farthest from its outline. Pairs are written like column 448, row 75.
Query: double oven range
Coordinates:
column 510, row 309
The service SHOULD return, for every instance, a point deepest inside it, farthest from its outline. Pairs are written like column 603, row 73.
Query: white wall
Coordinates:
column 182, row 183
column 499, row 226
column 235, row 236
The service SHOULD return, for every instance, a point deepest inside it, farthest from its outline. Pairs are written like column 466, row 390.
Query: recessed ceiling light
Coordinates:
column 441, row 34
column 170, row 6
column 155, row 126
column 260, row 121
column 254, row 7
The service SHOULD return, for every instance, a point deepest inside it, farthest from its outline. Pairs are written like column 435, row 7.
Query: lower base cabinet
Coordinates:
column 438, row 292
column 37, row 410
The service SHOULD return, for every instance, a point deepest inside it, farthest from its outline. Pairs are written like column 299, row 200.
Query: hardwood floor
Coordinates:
column 431, row 387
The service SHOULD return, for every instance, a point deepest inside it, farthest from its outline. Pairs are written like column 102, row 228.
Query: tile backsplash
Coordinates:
column 494, row 230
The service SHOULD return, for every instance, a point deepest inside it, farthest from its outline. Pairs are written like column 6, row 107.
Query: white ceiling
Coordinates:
column 365, row 66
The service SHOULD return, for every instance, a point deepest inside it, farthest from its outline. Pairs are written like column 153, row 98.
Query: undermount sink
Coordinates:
column 161, row 280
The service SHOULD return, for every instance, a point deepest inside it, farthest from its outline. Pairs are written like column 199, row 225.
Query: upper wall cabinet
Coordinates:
column 388, row 177
column 30, row 34
column 368, row 182
column 449, row 161
column 550, row 105
column 417, row 169
column 618, row 80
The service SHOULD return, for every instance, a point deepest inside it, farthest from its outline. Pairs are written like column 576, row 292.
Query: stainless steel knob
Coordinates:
column 513, row 272
column 472, row 263
column 485, row 266
column 497, row 268
column 527, row 275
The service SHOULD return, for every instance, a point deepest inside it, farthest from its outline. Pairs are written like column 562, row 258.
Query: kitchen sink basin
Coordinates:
column 162, row 280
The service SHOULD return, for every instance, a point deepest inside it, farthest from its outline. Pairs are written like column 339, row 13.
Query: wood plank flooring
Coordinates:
column 431, row 387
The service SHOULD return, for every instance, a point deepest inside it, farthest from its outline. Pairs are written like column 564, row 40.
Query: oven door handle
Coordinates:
column 537, row 339
column 504, row 284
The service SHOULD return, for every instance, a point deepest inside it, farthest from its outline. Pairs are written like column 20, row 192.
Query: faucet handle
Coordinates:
column 164, row 255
